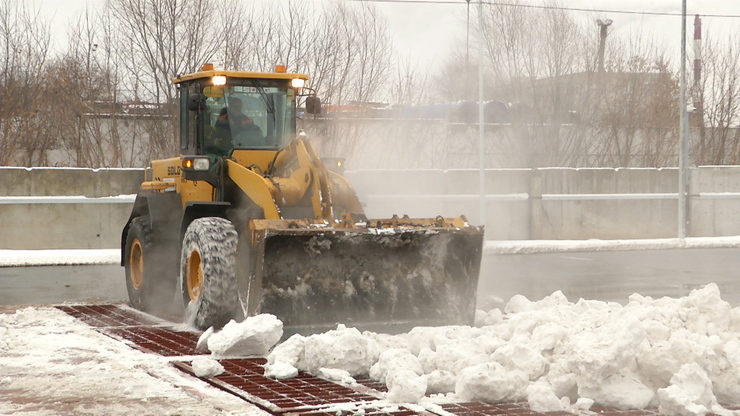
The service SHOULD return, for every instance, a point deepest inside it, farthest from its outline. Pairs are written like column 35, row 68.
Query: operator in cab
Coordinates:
column 233, row 127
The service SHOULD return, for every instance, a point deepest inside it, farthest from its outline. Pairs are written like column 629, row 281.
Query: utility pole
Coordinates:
column 683, row 154
column 481, row 128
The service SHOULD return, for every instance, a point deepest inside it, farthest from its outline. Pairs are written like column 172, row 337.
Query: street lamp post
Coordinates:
column 481, row 128
column 683, row 154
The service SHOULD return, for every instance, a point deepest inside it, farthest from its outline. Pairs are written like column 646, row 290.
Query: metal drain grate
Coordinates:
column 365, row 411
column 485, row 409
column 160, row 341
column 244, row 377
column 101, row 316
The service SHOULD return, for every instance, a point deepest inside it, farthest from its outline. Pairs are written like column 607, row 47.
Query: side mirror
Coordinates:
column 196, row 101
column 313, row 105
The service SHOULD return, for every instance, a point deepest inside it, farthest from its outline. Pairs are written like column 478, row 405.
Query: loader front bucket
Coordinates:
column 387, row 278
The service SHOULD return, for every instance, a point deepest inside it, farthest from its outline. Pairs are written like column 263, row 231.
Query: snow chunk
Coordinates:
column 440, row 382
column 343, row 348
column 402, row 373
column 395, row 359
column 254, row 336
column 620, row 391
column 519, row 303
column 290, row 352
column 491, row 382
column 541, row 398
column 405, row 386
column 205, row 367
column 690, row 393
column 202, row 344
column 336, row 375
column 280, row 370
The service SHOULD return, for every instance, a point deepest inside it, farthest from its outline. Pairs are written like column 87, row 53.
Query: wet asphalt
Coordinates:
column 610, row 276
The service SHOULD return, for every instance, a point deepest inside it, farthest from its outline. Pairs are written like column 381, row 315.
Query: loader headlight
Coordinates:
column 196, row 163
column 334, row 163
column 297, row 82
column 219, row 80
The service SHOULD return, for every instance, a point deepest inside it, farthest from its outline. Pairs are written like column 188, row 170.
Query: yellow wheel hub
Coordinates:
column 136, row 264
column 194, row 275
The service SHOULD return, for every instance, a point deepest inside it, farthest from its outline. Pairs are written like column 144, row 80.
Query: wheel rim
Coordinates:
column 194, row 275
column 136, row 263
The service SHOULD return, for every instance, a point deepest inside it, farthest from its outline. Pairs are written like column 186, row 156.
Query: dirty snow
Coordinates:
column 52, row 364
column 679, row 354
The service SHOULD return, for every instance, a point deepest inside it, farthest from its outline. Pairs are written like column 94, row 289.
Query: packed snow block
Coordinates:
column 205, row 367
column 252, row 337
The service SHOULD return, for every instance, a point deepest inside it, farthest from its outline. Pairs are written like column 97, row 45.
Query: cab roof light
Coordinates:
column 280, row 68
column 219, row 80
column 207, row 67
column 297, row 82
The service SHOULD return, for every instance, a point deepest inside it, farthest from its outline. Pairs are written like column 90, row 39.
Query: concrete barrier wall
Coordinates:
column 552, row 203
column 75, row 225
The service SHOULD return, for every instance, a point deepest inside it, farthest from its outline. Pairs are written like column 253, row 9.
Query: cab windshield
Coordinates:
column 257, row 115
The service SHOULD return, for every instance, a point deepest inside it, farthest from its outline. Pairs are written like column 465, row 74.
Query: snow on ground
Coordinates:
column 556, row 246
column 681, row 355
column 14, row 258
column 52, row 364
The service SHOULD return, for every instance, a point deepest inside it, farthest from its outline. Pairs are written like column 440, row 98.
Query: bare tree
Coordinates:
column 24, row 49
column 719, row 94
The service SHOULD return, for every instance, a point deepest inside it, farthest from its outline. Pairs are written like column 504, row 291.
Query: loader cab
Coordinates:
column 226, row 111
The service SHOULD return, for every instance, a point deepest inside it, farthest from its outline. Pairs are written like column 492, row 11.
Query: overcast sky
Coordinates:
column 427, row 32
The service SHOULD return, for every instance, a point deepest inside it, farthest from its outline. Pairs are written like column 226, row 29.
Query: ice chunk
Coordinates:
column 205, row 367
column 252, row 337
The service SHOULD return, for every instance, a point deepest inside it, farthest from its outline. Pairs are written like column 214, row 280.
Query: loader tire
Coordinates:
column 208, row 272
column 139, row 263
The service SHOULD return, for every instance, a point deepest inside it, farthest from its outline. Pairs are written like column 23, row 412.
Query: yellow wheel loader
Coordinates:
column 248, row 220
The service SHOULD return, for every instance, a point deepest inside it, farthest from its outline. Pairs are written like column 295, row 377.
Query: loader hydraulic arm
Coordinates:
column 295, row 177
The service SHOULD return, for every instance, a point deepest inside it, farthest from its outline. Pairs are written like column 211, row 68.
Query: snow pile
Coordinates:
column 680, row 354
column 252, row 337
